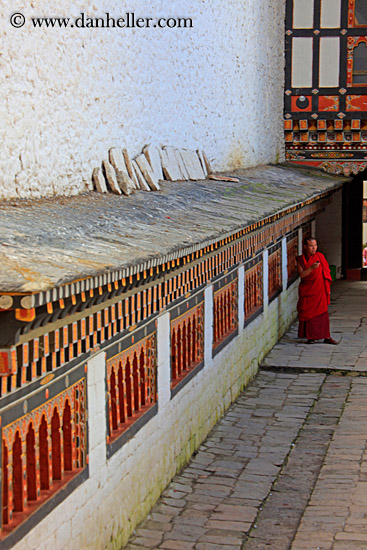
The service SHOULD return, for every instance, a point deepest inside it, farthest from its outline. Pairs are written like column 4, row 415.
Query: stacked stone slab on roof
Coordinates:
column 57, row 241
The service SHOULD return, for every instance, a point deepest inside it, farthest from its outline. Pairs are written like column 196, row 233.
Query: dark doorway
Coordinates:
column 353, row 227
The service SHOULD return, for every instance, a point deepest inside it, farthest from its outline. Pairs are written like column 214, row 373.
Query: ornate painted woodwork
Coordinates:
column 131, row 383
column 225, row 310
column 90, row 320
column 44, row 352
column 326, row 114
column 187, row 339
column 253, row 288
column 292, row 253
column 275, row 271
column 43, row 449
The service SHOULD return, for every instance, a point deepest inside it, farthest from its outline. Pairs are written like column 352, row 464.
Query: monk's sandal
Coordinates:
column 331, row 341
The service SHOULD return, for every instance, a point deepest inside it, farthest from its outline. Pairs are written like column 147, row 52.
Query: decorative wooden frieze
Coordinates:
column 123, row 304
column 187, row 340
column 253, row 288
column 292, row 253
column 225, row 311
column 131, row 384
column 42, row 450
column 275, row 272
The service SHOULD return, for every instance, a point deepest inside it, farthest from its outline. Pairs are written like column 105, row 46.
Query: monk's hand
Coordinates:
column 315, row 265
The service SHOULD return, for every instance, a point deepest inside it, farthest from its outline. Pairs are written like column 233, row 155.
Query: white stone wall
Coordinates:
column 102, row 513
column 70, row 94
column 328, row 232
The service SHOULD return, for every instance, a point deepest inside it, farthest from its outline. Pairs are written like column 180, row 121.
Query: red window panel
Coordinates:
column 43, row 455
column 225, row 320
column 253, row 290
column 134, row 389
column 275, row 272
column 292, row 253
column 187, row 343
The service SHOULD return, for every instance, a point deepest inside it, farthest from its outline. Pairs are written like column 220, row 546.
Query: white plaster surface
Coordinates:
column 208, row 324
column 97, row 412
column 70, row 94
column 241, row 298
column 284, row 263
column 163, row 358
column 265, row 279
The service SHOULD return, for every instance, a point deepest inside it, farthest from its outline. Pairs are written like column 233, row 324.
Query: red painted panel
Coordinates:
column 56, row 446
column 275, row 272
column 133, row 390
column 17, row 474
column 4, row 362
column 351, row 13
column 356, row 103
column 294, row 103
column 253, row 289
column 43, row 455
column 31, row 466
column 67, row 437
column 328, row 103
column 288, row 124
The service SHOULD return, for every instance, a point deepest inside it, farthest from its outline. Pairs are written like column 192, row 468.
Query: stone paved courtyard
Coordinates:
column 348, row 316
column 286, row 467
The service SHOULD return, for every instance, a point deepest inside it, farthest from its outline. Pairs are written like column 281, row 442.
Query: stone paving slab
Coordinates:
column 286, row 467
column 338, row 506
column 216, row 499
column 348, row 322
column 302, row 487
column 283, row 509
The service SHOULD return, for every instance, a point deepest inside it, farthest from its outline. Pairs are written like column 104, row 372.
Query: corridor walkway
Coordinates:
column 348, row 317
column 286, row 467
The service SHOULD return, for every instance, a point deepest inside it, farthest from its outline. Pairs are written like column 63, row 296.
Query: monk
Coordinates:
column 314, row 294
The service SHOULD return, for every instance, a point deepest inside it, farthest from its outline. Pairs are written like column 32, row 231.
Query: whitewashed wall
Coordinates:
column 68, row 95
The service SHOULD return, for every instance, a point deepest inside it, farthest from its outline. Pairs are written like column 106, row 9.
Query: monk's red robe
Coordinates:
column 314, row 298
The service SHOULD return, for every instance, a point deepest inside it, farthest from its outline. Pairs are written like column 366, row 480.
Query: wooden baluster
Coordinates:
column 136, row 384
column 142, row 378
column 179, row 351
column 129, row 386
column 184, row 348
column 113, row 400
column 173, row 356
column 121, row 395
